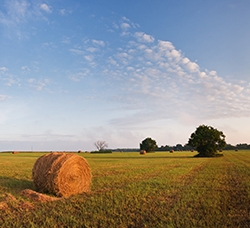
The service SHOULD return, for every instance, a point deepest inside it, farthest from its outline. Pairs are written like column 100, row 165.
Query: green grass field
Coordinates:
column 131, row 190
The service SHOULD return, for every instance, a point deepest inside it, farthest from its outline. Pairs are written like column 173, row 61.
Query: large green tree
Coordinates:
column 148, row 145
column 207, row 140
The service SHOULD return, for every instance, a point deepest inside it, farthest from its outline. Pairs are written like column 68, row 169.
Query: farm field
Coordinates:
column 159, row 189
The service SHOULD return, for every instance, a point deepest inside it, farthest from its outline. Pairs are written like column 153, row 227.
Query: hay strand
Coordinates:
column 39, row 197
column 61, row 174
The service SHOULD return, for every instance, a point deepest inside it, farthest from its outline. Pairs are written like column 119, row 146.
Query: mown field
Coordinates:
column 131, row 190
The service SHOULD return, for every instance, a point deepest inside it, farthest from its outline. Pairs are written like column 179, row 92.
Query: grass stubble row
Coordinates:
column 156, row 190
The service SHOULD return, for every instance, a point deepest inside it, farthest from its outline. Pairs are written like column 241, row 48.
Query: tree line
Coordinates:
column 180, row 147
column 206, row 140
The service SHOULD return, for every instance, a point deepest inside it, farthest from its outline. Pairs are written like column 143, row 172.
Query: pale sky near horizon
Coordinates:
column 74, row 72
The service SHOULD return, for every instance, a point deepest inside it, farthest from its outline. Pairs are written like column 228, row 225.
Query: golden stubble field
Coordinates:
column 130, row 190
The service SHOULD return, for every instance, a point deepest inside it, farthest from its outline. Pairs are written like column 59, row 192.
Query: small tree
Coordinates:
column 101, row 145
column 148, row 144
column 207, row 140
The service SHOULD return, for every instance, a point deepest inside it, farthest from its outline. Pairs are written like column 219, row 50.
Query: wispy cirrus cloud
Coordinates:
column 38, row 84
column 3, row 97
column 79, row 75
column 7, row 78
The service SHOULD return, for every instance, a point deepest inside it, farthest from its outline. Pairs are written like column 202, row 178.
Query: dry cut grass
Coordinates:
column 129, row 190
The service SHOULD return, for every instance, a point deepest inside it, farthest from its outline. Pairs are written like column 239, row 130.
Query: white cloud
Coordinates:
column 77, row 51
column 98, row 42
column 3, row 97
column 115, row 25
column 143, row 47
column 20, row 12
column 122, row 55
column 46, row 8
column 89, row 57
column 39, row 84
column 62, row 11
column 165, row 45
column 25, row 68
column 213, row 72
column 125, row 33
column 192, row 67
column 80, row 75
column 31, row 80
column 17, row 11
column 92, row 49
column 130, row 68
column 10, row 80
column 66, row 40
column 112, row 61
column 125, row 26
column 142, row 37
column 125, row 19
column 3, row 69
column 237, row 88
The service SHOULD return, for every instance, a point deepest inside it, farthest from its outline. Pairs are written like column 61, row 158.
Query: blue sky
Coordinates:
column 74, row 72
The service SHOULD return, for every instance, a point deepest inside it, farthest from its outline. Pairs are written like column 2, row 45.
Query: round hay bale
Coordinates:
column 14, row 152
column 61, row 174
column 142, row 152
column 171, row 151
column 79, row 151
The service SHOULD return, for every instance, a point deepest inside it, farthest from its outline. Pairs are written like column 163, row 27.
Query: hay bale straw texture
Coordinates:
column 61, row 174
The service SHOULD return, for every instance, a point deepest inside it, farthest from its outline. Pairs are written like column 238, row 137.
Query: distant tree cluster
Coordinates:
column 240, row 146
column 177, row 147
column 126, row 150
column 206, row 140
